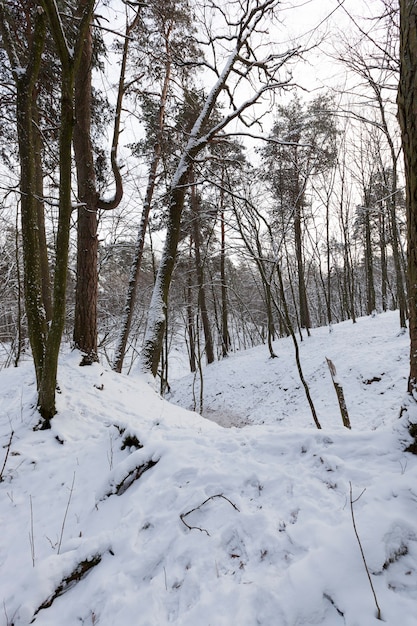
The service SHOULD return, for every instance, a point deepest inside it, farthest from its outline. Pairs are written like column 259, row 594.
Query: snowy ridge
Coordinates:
column 224, row 526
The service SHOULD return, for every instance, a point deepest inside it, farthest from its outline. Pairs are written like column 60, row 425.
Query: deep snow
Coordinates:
column 224, row 526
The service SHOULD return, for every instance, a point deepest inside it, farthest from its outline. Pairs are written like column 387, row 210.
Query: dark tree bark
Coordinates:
column 190, row 317
column 43, row 248
column 369, row 264
column 47, row 387
column 383, row 255
column 302, row 291
column 25, row 105
column 407, row 106
column 159, row 303
column 199, row 267
column 225, row 313
column 70, row 59
column 85, row 317
column 86, row 294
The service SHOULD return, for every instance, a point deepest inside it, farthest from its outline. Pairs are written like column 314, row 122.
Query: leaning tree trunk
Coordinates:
column 127, row 317
column 158, row 308
column 128, row 310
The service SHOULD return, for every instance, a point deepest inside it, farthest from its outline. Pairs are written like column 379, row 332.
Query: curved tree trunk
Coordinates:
column 86, row 293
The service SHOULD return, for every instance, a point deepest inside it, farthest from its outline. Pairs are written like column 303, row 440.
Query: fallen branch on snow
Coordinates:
column 8, row 446
column 203, row 530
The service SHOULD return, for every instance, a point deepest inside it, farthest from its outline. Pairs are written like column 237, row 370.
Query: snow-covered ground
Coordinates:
column 134, row 511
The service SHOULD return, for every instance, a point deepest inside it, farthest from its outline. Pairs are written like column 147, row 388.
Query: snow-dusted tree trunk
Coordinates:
column 140, row 241
column 240, row 67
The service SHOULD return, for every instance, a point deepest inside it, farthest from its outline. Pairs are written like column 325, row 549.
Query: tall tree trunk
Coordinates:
column 195, row 207
column 190, row 317
column 70, row 59
column 132, row 289
column 302, row 292
column 200, row 136
column 395, row 242
column 86, row 293
column 157, row 313
column 328, row 266
column 43, row 248
column 383, row 254
column 369, row 264
column 35, row 311
column 136, row 265
column 48, row 384
column 225, row 325
column 25, row 73
column 407, row 102
column 89, row 201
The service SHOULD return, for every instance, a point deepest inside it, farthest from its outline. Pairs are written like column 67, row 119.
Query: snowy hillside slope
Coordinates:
column 132, row 510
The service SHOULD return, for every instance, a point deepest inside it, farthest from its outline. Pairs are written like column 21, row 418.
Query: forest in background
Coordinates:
column 170, row 177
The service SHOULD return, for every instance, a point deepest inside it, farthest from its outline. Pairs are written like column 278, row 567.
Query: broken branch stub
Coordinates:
column 339, row 393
